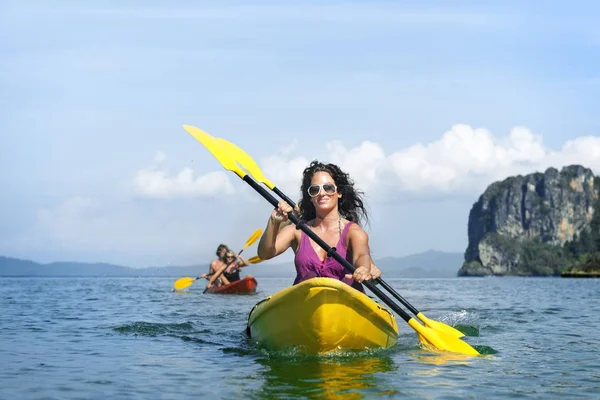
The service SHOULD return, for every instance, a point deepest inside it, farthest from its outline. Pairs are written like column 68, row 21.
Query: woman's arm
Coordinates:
column 275, row 239
column 361, row 255
column 274, row 244
column 242, row 263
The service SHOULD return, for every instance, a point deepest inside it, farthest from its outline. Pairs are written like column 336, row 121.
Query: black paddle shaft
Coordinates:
column 378, row 280
column 284, row 197
column 330, row 250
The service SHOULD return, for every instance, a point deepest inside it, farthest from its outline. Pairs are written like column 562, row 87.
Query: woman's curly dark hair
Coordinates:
column 350, row 205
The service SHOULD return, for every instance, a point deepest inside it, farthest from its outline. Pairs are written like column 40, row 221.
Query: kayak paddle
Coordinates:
column 429, row 337
column 182, row 283
column 255, row 236
column 254, row 260
column 254, row 170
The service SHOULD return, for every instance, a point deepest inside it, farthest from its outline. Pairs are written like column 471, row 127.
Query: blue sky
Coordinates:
column 424, row 103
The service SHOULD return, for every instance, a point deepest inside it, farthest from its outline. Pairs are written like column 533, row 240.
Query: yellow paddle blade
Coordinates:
column 254, row 260
column 182, row 283
column 215, row 149
column 253, row 238
column 245, row 161
column 440, row 340
column 440, row 326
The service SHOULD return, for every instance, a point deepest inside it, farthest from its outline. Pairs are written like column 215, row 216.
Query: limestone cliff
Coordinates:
column 521, row 213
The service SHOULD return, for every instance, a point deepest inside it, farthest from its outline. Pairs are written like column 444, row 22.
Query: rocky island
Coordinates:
column 541, row 224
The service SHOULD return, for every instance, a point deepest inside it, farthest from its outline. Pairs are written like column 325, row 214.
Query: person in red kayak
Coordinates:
column 216, row 265
column 232, row 272
column 333, row 209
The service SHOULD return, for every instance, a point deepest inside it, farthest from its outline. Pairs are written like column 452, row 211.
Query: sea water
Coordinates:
column 134, row 338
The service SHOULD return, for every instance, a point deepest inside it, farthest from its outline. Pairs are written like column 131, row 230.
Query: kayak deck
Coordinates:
column 321, row 315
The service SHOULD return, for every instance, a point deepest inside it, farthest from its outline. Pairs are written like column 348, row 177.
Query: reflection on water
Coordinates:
column 320, row 377
column 435, row 358
column 438, row 364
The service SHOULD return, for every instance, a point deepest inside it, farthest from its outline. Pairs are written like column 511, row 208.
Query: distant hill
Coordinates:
column 18, row 267
column 430, row 264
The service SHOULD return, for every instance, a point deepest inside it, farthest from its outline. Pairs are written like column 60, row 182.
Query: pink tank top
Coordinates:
column 308, row 265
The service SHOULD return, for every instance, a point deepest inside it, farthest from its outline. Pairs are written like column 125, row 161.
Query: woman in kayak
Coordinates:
column 232, row 272
column 333, row 209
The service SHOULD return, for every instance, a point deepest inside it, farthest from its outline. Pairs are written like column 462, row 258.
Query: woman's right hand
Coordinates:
column 280, row 213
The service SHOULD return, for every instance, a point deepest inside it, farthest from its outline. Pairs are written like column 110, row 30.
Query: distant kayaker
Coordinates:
column 232, row 272
column 215, row 266
column 333, row 209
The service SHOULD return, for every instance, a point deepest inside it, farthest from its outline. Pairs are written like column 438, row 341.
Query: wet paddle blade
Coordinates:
column 434, row 339
column 182, row 283
column 440, row 326
column 254, row 260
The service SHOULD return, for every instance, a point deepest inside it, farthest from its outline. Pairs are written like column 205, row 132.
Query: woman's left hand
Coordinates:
column 375, row 272
column 360, row 274
column 365, row 274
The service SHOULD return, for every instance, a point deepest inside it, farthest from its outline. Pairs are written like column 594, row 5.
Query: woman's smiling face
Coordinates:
column 323, row 200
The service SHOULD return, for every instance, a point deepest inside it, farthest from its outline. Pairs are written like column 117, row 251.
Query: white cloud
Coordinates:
column 68, row 226
column 138, row 232
column 155, row 181
column 363, row 162
column 289, row 149
column 63, row 216
column 463, row 160
column 582, row 150
column 285, row 173
column 470, row 159
column 160, row 157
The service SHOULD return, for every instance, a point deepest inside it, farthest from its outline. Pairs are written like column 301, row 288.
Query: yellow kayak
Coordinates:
column 321, row 315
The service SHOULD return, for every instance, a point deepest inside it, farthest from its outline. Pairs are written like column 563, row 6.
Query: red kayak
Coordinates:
column 245, row 285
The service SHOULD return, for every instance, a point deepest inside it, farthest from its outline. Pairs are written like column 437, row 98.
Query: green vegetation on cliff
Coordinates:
column 581, row 256
column 527, row 257
column 585, row 249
